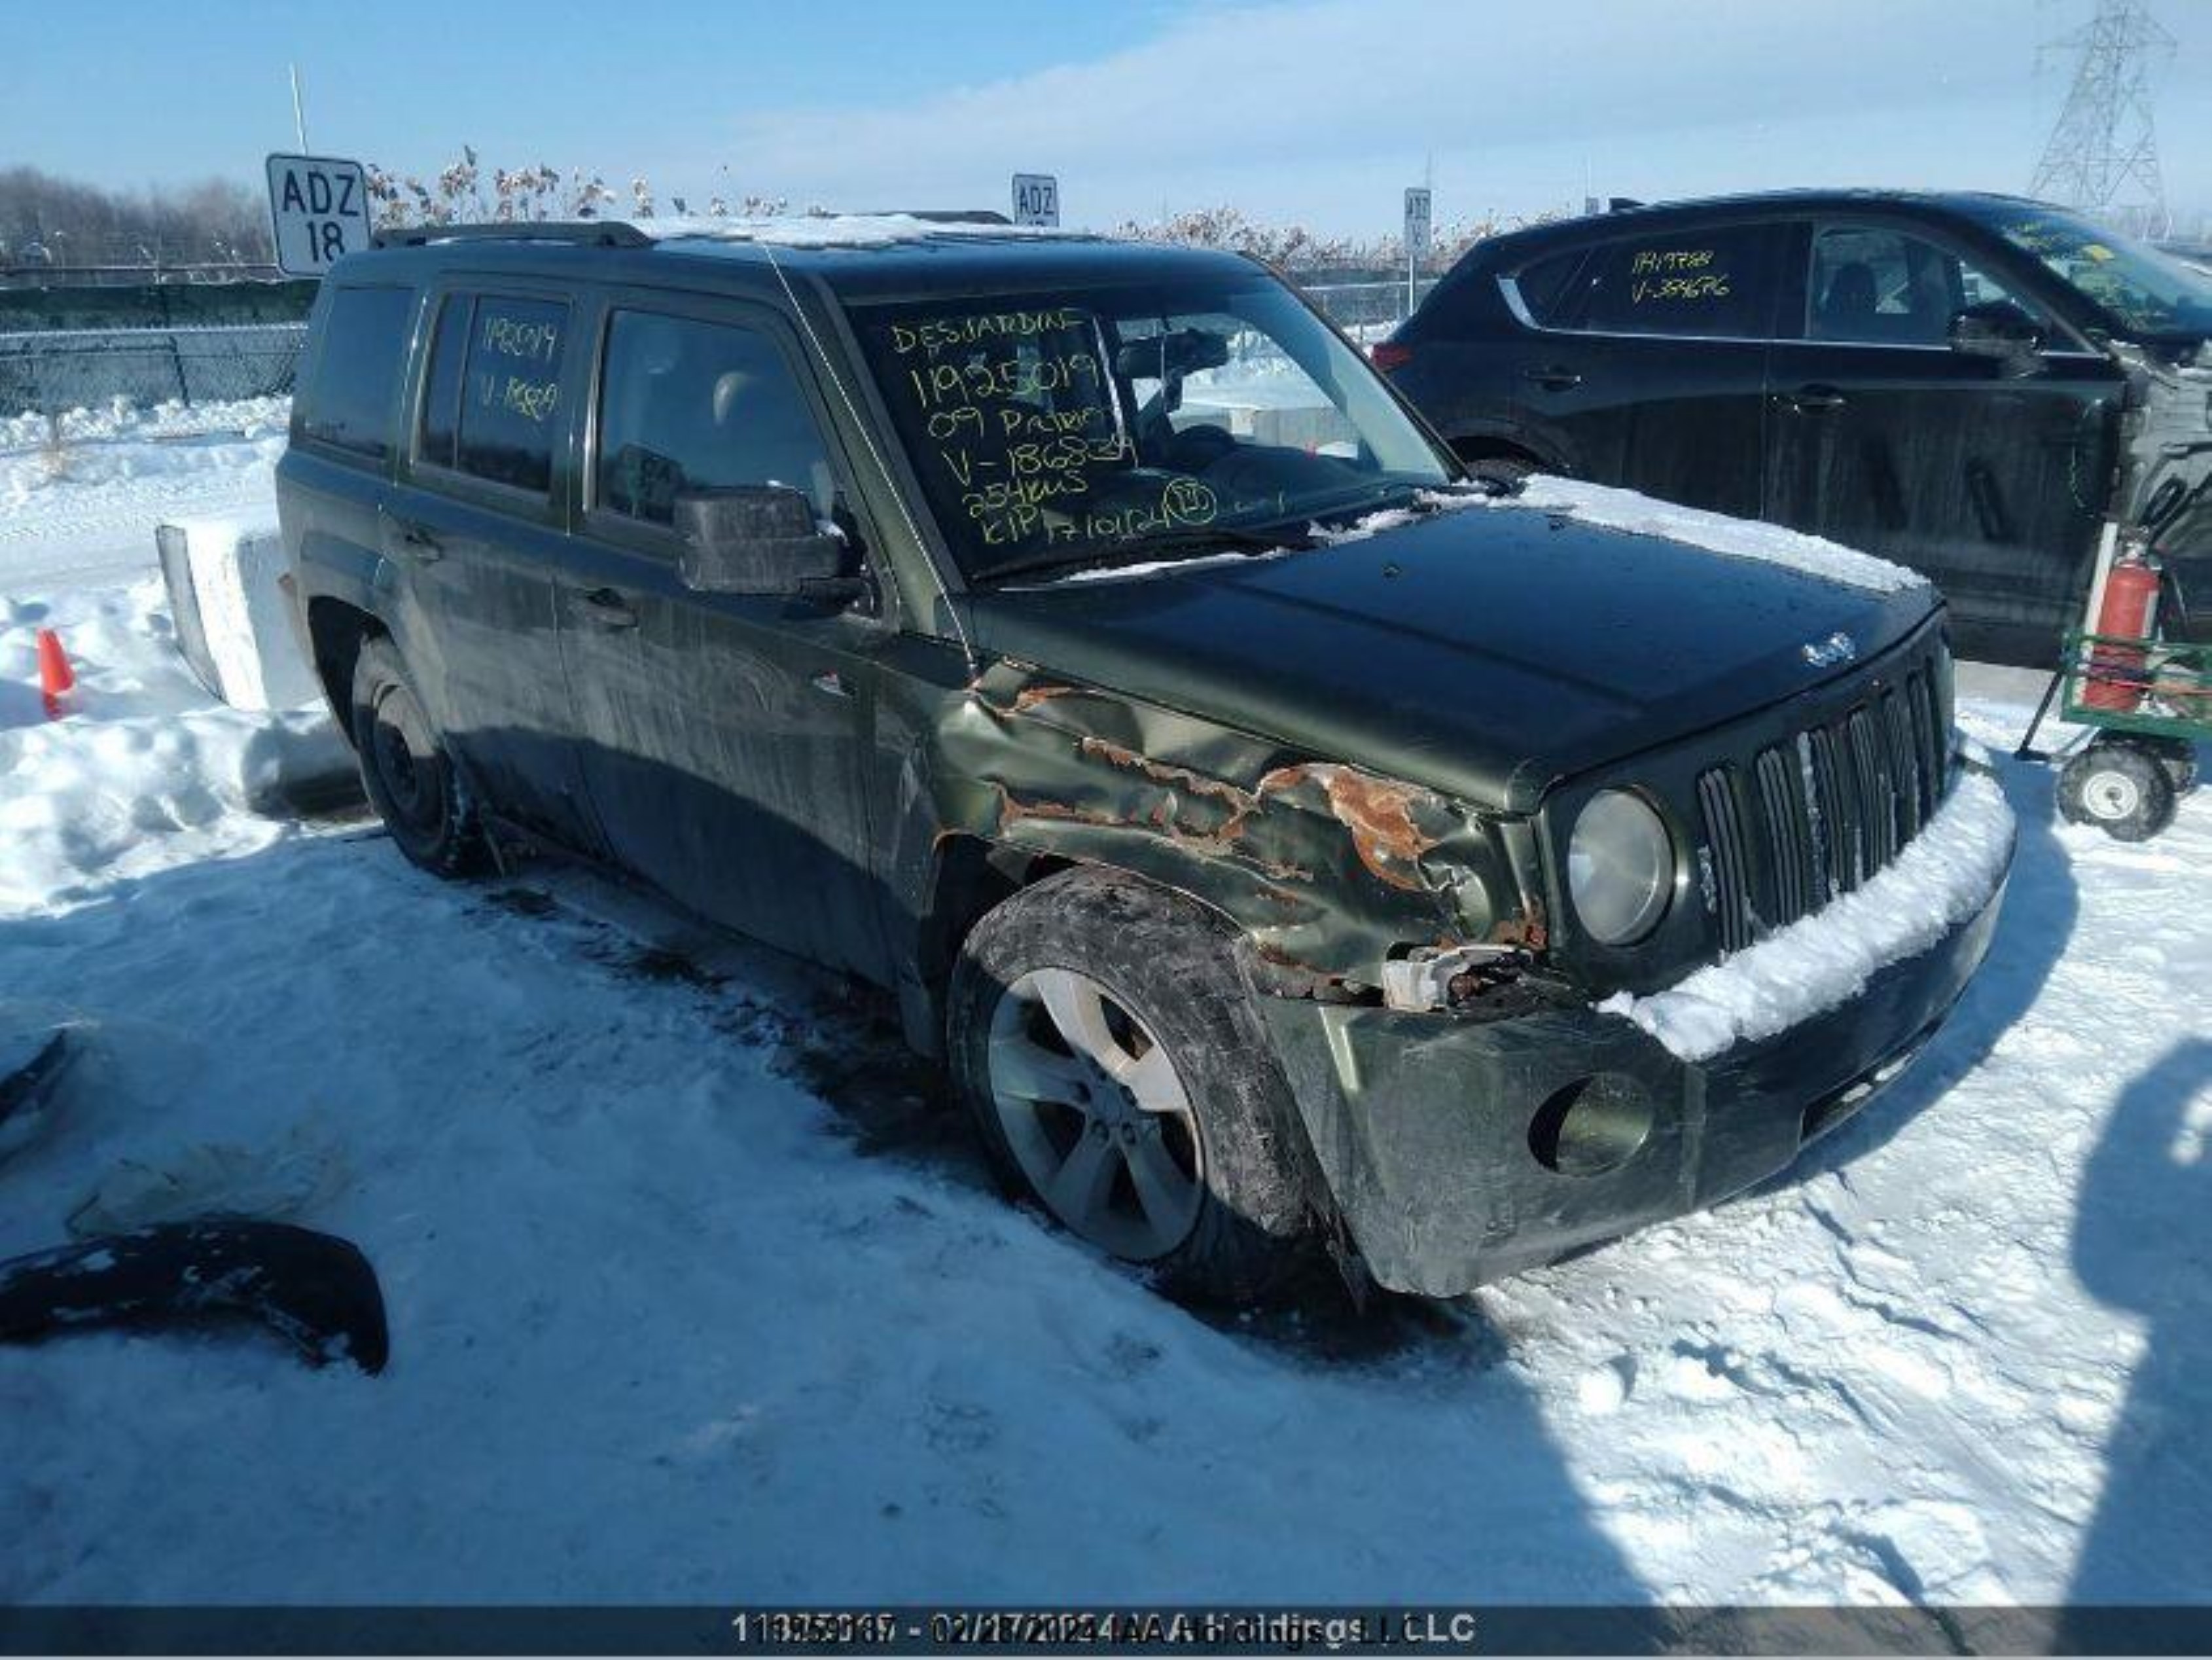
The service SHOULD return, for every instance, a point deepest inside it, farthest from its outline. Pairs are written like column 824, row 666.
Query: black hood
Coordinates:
column 1484, row 653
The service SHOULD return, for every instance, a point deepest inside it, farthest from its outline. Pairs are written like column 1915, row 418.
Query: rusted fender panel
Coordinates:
column 1325, row 865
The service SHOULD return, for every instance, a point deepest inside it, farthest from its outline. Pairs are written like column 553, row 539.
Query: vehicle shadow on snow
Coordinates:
column 2143, row 1243
column 841, row 1040
column 2042, row 906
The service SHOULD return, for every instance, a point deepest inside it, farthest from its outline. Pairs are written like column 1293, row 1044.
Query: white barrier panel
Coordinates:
column 232, row 622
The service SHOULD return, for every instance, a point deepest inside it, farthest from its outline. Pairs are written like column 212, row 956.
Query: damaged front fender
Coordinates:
column 1327, row 868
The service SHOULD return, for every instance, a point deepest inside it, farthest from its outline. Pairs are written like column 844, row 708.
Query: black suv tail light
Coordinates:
column 1388, row 354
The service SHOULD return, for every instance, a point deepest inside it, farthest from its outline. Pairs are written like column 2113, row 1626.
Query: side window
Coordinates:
column 438, row 433
column 1688, row 282
column 349, row 405
column 1868, row 284
column 690, row 405
column 1543, row 284
column 511, row 390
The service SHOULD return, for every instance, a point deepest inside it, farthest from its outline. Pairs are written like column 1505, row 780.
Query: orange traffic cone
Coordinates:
column 55, row 675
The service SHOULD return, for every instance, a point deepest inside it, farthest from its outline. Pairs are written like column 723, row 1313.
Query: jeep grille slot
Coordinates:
column 1816, row 816
column 1717, row 799
column 1788, row 836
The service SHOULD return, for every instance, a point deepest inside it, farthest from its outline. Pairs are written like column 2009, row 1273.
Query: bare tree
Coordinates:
column 61, row 222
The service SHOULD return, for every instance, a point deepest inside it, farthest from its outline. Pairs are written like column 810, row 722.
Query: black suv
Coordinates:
column 1969, row 384
column 1081, row 641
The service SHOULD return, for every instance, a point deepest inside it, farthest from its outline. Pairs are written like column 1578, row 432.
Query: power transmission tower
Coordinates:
column 2103, row 153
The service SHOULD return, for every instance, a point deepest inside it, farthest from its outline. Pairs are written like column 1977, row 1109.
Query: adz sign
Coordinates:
column 318, row 211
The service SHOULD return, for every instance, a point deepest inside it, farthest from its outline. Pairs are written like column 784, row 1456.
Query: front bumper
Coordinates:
column 1433, row 1131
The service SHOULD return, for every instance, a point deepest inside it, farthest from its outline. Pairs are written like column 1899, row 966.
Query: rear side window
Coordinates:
column 510, row 392
column 348, row 404
column 692, row 406
column 1542, row 285
column 1686, row 282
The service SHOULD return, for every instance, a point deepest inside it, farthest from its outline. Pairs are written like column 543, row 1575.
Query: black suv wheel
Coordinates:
column 1105, row 1044
column 410, row 778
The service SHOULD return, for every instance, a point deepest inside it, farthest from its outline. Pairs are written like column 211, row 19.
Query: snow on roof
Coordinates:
column 1944, row 875
column 1738, row 538
column 840, row 230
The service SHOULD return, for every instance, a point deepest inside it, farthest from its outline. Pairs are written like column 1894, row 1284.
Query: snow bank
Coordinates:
column 1738, row 538
column 142, row 756
column 87, row 508
column 1943, row 876
column 120, row 419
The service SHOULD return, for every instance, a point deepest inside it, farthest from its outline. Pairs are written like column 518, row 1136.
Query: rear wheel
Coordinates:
column 1507, row 472
column 2120, row 789
column 1103, row 1042
column 410, row 778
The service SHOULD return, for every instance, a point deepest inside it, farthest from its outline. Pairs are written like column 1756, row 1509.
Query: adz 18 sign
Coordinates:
column 1037, row 198
column 318, row 209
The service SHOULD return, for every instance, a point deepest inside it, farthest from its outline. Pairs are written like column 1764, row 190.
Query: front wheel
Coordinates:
column 1106, row 1047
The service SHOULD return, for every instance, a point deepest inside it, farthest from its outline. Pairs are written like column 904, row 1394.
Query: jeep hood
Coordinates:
column 1485, row 654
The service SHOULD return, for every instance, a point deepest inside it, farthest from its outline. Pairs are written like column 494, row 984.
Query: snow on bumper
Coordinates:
column 1945, row 875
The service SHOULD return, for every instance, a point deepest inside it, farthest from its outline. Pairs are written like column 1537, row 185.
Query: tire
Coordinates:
column 2119, row 789
column 1146, row 982
column 410, row 778
column 2177, row 755
column 1508, row 472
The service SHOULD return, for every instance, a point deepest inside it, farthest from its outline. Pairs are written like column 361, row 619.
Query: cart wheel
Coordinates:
column 2120, row 789
column 2177, row 755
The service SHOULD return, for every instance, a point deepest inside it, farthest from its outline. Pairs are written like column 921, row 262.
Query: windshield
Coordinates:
column 2143, row 291
column 1089, row 426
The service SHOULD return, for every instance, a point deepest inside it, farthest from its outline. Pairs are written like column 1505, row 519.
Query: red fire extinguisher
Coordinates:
column 2130, row 612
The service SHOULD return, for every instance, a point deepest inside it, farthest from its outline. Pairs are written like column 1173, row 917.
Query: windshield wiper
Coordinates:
column 1144, row 549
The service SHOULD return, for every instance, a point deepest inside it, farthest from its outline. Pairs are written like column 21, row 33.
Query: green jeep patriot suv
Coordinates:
column 1287, row 844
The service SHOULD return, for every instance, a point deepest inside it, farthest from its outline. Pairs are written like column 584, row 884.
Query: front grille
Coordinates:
column 1817, row 815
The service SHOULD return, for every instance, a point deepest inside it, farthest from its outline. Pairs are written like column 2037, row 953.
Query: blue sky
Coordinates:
column 1313, row 110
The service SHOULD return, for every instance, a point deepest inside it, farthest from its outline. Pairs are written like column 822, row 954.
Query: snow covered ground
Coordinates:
column 694, row 1297
column 83, row 509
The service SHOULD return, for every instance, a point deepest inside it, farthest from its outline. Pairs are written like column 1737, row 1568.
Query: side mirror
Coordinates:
column 1996, row 329
column 759, row 539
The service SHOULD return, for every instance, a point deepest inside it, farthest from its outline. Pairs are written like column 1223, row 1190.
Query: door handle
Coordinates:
column 1553, row 378
column 419, row 541
column 602, row 608
column 1815, row 400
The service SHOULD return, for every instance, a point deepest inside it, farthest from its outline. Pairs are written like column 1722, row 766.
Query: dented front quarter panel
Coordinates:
column 1325, row 867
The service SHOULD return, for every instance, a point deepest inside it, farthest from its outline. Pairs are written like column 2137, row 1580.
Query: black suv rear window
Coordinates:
column 510, row 392
column 1689, row 283
column 348, row 402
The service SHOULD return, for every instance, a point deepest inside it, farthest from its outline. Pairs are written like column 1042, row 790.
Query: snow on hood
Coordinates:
column 1944, row 875
column 1738, row 538
column 836, row 230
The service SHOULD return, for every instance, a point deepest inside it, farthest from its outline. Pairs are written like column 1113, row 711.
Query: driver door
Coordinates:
column 1989, row 477
column 722, row 735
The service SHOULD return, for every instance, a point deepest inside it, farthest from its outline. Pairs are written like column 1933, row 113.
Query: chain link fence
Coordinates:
column 52, row 372
column 1366, row 311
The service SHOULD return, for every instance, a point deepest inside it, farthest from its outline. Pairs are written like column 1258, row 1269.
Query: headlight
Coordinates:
column 1620, row 867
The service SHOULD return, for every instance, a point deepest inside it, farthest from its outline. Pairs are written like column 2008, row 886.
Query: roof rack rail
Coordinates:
column 584, row 233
